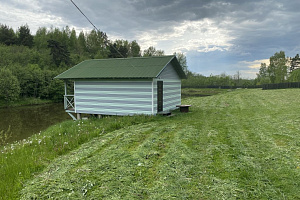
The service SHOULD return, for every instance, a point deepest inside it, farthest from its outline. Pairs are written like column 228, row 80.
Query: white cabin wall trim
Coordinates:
column 152, row 97
column 75, row 97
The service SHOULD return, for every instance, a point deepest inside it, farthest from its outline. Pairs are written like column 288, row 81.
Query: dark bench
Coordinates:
column 184, row 108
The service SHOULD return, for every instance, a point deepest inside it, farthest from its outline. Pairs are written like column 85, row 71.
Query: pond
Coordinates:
column 28, row 120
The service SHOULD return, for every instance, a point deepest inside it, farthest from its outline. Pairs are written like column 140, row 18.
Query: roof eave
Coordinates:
column 105, row 78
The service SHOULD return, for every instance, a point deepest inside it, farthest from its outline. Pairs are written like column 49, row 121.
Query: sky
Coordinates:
column 223, row 36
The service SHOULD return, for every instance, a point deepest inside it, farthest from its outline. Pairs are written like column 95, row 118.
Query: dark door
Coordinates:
column 159, row 96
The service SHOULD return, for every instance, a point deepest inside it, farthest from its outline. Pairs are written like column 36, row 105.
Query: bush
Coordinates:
column 294, row 76
column 9, row 86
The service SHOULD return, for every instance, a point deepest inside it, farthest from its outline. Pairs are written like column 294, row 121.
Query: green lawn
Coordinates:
column 242, row 144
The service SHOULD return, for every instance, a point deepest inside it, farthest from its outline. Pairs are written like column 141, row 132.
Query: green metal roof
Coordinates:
column 137, row 67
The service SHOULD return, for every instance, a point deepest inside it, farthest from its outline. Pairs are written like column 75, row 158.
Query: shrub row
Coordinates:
column 281, row 85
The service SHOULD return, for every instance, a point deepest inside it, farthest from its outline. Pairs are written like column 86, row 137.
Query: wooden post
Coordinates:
column 99, row 116
column 65, row 87
column 78, row 116
column 65, row 100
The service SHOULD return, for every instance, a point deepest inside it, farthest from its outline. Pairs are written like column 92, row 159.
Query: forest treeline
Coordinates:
column 281, row 69
column 28, row 63
column 217, row 81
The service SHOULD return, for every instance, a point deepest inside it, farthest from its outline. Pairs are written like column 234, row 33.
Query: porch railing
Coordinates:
column 69, row 102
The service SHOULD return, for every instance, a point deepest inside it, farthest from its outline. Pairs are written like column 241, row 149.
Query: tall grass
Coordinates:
column 5, row 136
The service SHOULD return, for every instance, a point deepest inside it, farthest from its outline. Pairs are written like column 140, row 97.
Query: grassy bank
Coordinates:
column 24, row 102
column 242, row 144
column 21, row 160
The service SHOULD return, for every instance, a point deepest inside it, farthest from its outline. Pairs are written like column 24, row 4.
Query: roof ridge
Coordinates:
column 128, row 58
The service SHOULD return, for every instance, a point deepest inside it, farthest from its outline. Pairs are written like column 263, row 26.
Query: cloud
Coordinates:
column 217, row 36
column 201, row 36
column 249, row 69
column 19, row 13
column 255, row 64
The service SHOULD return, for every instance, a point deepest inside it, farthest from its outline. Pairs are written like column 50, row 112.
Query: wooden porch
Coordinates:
column 69, row 103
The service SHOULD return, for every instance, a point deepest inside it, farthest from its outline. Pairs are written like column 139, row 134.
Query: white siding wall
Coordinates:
column 171, row 89
column 113, row 97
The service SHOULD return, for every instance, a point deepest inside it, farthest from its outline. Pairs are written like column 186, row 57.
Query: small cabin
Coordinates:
column 124, row 86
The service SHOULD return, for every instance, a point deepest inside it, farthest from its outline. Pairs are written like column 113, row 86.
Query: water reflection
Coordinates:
column 28, row 120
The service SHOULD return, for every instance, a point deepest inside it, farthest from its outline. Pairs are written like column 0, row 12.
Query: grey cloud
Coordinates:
column 259, row 27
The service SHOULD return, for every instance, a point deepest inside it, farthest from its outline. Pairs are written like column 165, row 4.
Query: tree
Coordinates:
column 53, row 88
column 223, row 79
column 159, row 53
column 119, row 49
column 81, row 44
column 263, row 76
column 295, row 63
column 277, row 69
column 56, row 90
column 59, row 52
column 294, row 76
column 96, row 44
column 73, row 41
column 151, row 51
column 263, row 72
column 57, row 35
column 7, row 35
column 40, row 39
column 237, row 78
column 182, row 61
column 24, row 36
column 135, row 49
column 33, row 82
column 9, row 86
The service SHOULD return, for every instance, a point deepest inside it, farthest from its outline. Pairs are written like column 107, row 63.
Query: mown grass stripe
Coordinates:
column 242, row 144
